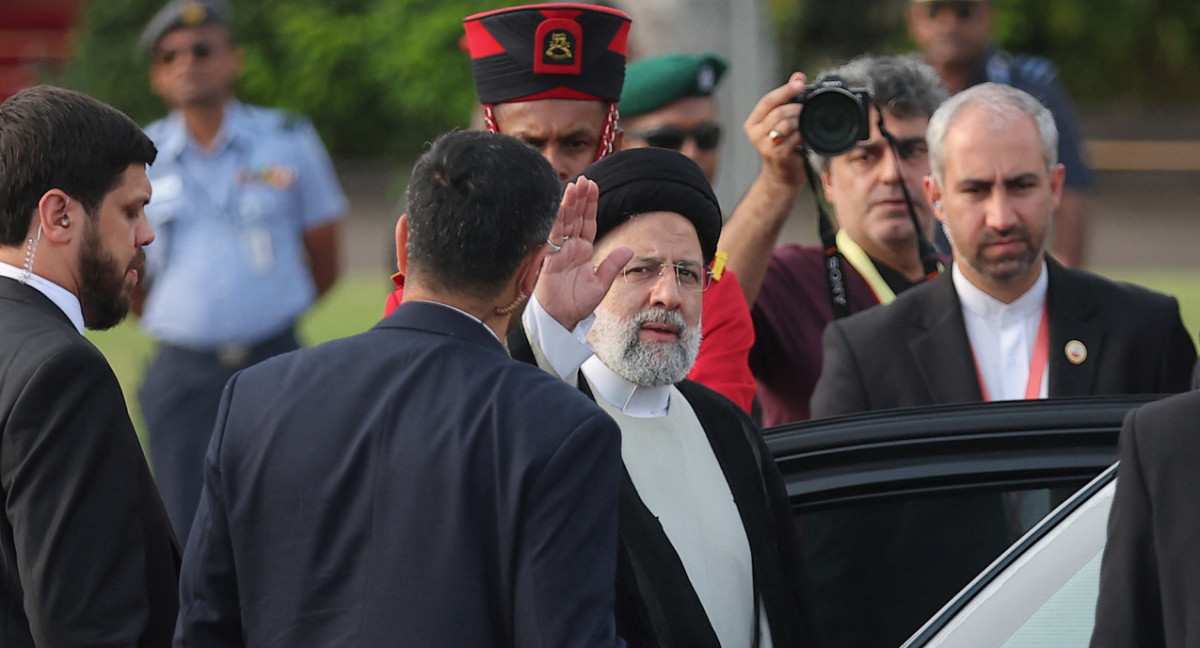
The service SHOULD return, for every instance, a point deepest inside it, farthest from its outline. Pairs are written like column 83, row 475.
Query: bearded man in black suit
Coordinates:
column 87, row 555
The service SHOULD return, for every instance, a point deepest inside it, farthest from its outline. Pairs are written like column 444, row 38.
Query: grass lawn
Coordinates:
column 356, row 303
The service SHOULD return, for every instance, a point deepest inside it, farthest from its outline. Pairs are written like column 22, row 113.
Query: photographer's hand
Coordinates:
column 753, row 229
column 772, row 128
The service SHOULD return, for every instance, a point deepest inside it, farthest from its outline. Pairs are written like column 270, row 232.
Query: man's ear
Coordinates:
column 54, row 217
column 402, row 244
column 618, row 139
column 933, row 194
column 1058, row 176
column 530, row 267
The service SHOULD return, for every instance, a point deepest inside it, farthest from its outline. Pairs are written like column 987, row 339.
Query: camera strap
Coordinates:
column 835, row 278
column 930, row 263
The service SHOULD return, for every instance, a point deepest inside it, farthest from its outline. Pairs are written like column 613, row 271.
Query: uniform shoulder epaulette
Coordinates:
column 1034, row 68
column 293, row 121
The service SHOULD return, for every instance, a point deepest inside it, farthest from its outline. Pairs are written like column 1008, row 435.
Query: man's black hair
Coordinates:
column 53, row 138
column 478, row 202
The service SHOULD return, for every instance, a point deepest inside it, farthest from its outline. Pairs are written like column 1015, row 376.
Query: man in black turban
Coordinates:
column 707, row 546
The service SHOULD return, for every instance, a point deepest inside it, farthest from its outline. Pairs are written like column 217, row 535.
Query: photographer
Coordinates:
column 789, row 287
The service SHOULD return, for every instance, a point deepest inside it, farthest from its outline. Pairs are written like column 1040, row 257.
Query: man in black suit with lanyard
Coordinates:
column 87, row 555
column 1008, row 322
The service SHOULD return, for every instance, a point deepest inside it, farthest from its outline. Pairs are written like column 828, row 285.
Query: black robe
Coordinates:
column 656, row 604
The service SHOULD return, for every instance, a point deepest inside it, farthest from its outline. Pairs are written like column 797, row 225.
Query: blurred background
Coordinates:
column 380, row 78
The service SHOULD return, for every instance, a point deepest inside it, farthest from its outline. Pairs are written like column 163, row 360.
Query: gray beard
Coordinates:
column 648, row 364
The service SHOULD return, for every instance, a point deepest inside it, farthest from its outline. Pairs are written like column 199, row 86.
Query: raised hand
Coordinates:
column 570, row 286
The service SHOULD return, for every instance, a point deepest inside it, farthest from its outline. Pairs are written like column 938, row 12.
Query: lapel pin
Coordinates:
column 1076, row 352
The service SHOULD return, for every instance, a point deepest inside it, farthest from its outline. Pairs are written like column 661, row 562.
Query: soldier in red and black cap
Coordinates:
column 551, row 75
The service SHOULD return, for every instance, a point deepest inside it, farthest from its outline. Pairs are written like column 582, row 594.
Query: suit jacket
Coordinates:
column 87, row 555
column 1150, row 570
column 916, row 351
column 656, row 604
column 408, row 486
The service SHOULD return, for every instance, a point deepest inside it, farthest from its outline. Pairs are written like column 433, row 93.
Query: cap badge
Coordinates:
column 559, row 48
column 192, row 14
column 1076, row 352
column 558, row 43
column 707, row 79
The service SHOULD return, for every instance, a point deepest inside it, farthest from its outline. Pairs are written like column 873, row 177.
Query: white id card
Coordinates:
column 262, row 252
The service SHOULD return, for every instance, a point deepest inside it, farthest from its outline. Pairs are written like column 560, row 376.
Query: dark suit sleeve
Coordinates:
column 1180, row 355
column 1129, row 611
column 209, row 610
column 840, row 389
column 566, row 566
column 70, row 466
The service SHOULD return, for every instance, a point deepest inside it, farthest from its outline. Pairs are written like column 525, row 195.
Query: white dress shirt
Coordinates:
column 1003, row 335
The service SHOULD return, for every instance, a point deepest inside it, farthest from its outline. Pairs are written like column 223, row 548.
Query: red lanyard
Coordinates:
column 1037, row 361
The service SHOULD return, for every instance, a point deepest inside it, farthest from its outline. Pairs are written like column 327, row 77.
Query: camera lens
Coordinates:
column 832, row 121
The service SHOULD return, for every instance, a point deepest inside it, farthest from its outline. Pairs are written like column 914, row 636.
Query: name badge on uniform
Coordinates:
column 262, row 252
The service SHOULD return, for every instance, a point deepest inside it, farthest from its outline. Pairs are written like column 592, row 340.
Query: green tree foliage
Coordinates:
column 1134, row 53
column 376, row 76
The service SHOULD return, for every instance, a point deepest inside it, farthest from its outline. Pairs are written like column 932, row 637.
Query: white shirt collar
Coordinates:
column 66, row 301
column 459, row 310
column 631, row 399
column 976, row 301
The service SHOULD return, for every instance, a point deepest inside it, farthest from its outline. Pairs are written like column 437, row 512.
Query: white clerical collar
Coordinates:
column 66, row 300
column 631, row 399
column 991, row 309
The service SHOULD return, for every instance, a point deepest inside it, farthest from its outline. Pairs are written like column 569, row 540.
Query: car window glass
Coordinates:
column 879, row 568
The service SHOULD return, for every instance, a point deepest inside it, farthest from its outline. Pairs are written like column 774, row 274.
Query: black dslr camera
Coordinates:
column 834, row 116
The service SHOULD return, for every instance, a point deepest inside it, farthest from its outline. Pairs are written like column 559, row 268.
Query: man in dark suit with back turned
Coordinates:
column 1008, row 322
column 1148, row 577
column 413, row 485
column 87, row 556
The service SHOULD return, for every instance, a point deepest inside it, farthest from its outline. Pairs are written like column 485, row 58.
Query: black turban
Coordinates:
column 641, row 180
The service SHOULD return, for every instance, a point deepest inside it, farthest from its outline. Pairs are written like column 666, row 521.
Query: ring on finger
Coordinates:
column 776, row 136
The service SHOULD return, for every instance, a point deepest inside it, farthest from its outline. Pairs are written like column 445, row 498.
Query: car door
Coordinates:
column 898, row 510
column 1042, row 592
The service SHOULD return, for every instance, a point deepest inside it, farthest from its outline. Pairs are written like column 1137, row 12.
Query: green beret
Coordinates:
column 654, row 82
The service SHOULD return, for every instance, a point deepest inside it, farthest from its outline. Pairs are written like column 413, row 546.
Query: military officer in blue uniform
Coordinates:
column 955, row 37
column 247, row 206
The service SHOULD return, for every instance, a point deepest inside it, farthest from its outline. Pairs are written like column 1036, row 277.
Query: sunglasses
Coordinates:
column 200, row 50
column 962, row 10
column 707, row 136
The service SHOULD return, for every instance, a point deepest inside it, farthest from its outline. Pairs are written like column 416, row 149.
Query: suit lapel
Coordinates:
column 1074, row 323
column 939, row 347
